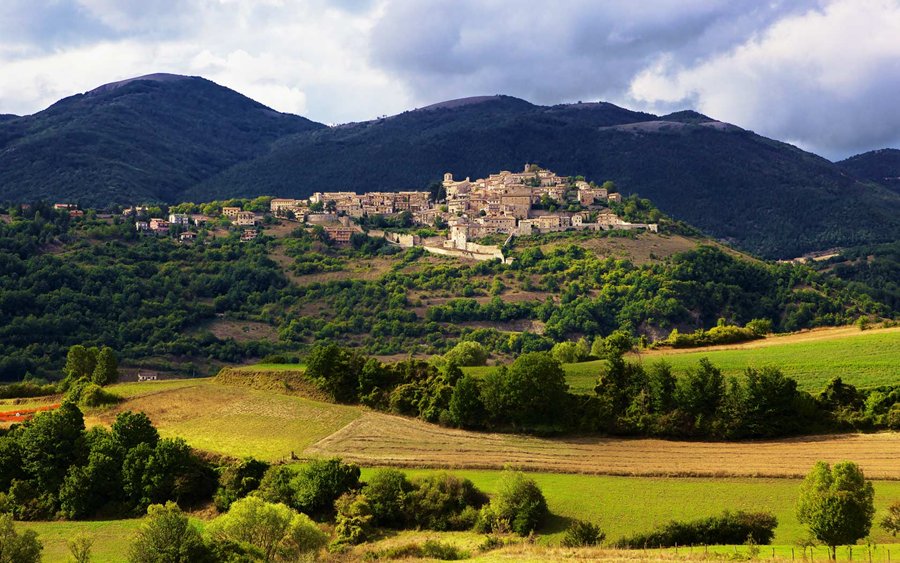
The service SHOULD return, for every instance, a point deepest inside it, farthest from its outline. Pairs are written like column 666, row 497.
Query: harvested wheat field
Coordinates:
column 380, row 439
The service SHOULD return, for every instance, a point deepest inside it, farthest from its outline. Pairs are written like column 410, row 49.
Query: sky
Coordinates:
column 821, row 74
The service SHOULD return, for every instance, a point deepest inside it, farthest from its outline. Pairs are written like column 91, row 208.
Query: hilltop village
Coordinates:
column 530, row 202
column 478, row 216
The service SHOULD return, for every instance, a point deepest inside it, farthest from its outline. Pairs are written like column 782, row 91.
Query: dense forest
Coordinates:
column 95, row 281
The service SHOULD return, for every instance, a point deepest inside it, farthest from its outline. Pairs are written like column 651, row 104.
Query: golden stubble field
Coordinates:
column 381, row 439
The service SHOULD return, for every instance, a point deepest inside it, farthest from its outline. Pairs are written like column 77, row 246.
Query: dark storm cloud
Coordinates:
column 817, row 73
column 552, row 52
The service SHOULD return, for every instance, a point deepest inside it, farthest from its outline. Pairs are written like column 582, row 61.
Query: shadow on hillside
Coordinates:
column 556, row 523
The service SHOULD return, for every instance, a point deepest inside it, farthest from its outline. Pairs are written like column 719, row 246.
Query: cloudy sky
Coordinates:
column 822, row 74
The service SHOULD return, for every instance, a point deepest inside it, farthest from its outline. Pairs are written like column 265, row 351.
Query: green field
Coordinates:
column 231, row 420
column 626, row 505
column 864, row 359
column 621, row 505
column 111, row 538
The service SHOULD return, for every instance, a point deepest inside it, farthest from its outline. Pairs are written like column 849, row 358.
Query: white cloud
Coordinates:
column 818, row 72
column 826, row 79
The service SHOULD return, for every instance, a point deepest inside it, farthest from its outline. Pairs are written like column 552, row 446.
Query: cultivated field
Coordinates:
column 382, row 439
column 230, row 420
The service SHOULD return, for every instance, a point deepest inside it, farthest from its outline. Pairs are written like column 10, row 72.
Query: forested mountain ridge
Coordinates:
column 167, row 138
column 882, row 166
column 146, row 139
column 763, row 195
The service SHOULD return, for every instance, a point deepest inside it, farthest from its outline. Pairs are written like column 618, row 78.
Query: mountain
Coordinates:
column 144, row 139
column 172, row 138
column 882, row 166
column 763, row 195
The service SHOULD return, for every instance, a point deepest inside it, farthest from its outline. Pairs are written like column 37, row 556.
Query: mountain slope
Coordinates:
column 765, row 196
column 143, row 139
column 882, row 166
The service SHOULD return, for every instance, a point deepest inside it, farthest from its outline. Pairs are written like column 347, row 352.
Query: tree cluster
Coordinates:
column 51, row 466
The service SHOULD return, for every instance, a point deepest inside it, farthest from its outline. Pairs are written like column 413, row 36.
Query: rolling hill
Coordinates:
column 145, row 139
column 882, row 166
column 763, row 195
column 171, row 138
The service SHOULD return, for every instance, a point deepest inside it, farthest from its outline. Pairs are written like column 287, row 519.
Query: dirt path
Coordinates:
column 381, row 439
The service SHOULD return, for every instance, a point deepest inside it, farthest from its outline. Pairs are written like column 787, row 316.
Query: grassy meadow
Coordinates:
column 626, row 505
column 230, row 420
column 864, row 359
column 621, row 505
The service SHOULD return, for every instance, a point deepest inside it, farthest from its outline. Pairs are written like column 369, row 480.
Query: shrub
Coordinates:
column 387, row 492
column 167, row 535
column 444, row 502
column 442, row 551
column 16, row 547
column 520, row 503
column 320, row 483
column 274, row 529
column 467, row 353
column 728, row 528
column 581, row 534
column 353, row 524
column 92, row 395
column 237, row 480
column 275, row 485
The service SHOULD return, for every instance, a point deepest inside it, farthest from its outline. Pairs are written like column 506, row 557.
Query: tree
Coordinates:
column 335, row 370
column 167, row 536
column 107, row 367
column 51, row 443
column 133, row 428
column 466, row 407
column 15, row 547
column 891, row 520
column 837, row 504
column 237, row 480
column 80, row 362
column 279, row 533
column 532, row 391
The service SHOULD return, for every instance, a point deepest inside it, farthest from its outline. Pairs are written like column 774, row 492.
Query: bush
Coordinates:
column 581, row 534
column 353, row 524
column 445, row 502
column 387, row 492
column 16, row 547
column 237, row 480
column 442, row 551
column 730, row 528
column 278, row 532
column 519, row 503
column 167, row 535
column 467, row 353
column 320, row 483
column 91, row 395
column 275, row 485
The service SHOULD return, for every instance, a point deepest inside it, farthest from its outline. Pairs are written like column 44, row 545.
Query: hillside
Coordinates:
column 144, row 139
column 171, row 306
column 882, row 166
column 168, row 138
column 763, row 195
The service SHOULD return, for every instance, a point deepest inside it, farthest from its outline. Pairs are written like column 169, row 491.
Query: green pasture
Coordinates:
column 626, row 505
column 864, row 360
